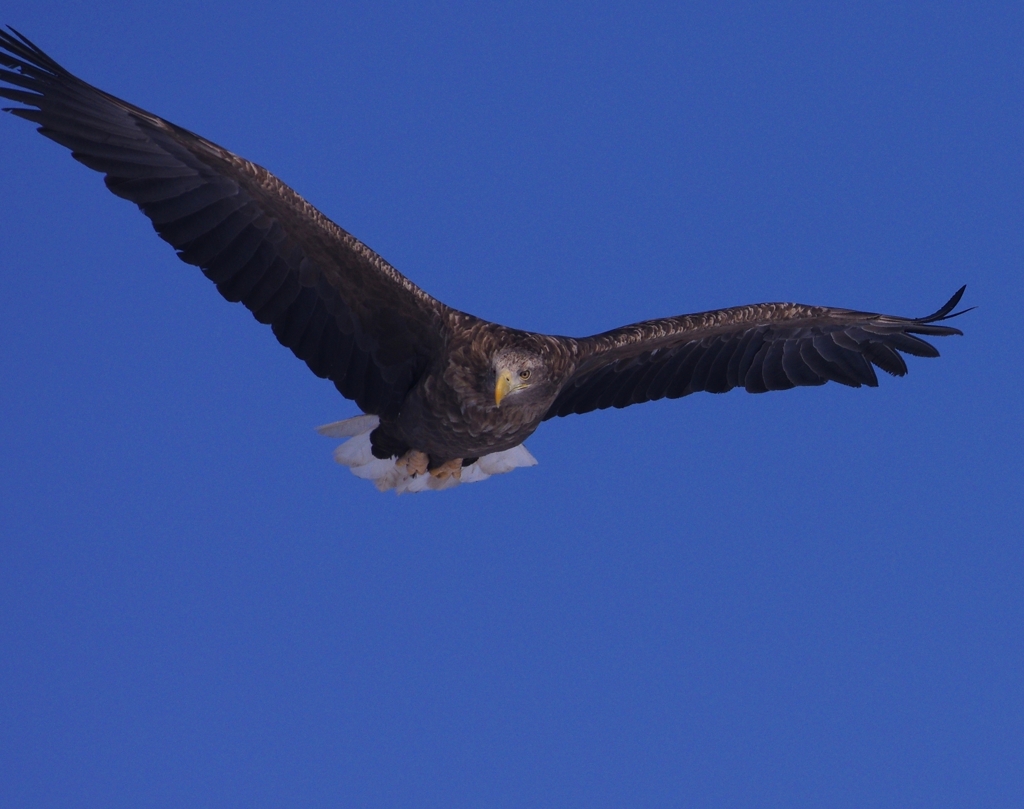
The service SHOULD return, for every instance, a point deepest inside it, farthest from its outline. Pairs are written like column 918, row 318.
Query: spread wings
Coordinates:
column 767, row 346
column 335, row 303
column 355, row 320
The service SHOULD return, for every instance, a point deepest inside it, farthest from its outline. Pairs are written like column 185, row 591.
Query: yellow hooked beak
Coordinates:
column 509, row 382
column 502, row 387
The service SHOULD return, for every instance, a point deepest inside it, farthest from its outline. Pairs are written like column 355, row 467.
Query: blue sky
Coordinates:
column 809, row 598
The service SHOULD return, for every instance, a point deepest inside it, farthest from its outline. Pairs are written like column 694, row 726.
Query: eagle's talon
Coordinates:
column 449, row 469
column 414, row 462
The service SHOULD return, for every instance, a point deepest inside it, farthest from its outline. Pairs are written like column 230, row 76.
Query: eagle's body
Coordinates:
column 443, row 391
column 462, row 382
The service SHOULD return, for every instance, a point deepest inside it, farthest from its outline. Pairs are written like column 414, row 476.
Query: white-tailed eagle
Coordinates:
column 448, row 397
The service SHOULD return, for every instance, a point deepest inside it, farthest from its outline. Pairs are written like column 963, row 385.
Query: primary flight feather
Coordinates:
column 449, row 397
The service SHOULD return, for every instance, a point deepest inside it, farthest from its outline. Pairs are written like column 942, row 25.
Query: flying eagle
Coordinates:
column 448, row 397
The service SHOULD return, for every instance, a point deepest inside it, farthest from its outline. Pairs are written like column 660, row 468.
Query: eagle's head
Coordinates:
column 521, row 377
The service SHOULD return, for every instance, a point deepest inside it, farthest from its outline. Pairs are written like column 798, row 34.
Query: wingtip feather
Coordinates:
column 944, row 312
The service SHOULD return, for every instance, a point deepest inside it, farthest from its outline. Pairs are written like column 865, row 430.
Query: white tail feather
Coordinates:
column 347, row 428
column 357, row 455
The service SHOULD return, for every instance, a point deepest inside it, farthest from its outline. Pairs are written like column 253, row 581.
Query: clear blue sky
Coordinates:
column 811, row 598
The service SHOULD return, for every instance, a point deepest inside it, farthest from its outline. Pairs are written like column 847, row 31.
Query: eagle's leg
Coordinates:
column 414, row 462
column 449, row 469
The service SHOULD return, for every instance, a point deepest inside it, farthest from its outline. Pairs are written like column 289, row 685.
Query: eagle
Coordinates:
column 447, row 397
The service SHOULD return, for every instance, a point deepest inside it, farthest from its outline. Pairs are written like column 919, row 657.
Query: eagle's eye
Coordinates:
column 524, row 374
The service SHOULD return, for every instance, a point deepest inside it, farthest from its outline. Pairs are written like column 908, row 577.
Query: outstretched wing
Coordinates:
column 334, row 302
column 766, row 346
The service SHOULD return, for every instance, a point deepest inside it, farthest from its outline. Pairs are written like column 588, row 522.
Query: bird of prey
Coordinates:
column 447, row 397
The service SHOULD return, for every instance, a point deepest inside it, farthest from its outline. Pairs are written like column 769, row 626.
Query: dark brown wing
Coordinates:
column 336, row 304
column 767, row 346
